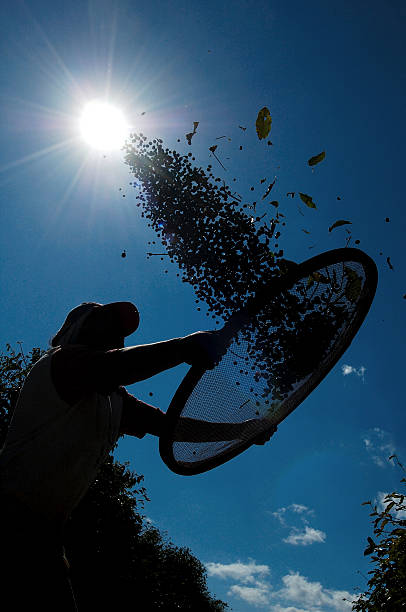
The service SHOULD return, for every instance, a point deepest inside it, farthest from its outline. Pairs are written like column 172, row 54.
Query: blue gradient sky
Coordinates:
column 280, row 527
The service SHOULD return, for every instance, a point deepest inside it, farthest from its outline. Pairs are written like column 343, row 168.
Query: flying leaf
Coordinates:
column 389, row 263
column 242, row 128
column 123, row 254
column 268, row 191
column 212, row 149
column 307, row 200
column 305, row 231
column 263, row 123
column 291, row 194
column 338, row 224
column 191, row 134
column 387, row 219
column 275, row 203
column 317, row 159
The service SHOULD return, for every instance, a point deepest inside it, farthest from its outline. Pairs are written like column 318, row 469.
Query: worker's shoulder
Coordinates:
column 76, row 357
column 75, row 351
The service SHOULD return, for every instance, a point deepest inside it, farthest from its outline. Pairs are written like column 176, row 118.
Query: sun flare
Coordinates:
column 103, row 126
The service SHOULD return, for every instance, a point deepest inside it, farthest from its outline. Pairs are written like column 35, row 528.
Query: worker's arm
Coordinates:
column 139, row 418
column 76, row 370
column 135, row 363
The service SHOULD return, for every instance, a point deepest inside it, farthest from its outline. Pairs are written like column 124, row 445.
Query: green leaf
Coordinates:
column 399, row 531
column 369, row 550
column 338, row 224
column 317, row 159
column 320, row 278
column 263, row 123
column 353, row 287
column 307, row 200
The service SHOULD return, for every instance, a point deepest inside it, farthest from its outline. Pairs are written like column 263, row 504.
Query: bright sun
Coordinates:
column 103, row 126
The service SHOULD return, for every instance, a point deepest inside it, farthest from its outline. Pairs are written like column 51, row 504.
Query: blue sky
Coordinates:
column 281, row 528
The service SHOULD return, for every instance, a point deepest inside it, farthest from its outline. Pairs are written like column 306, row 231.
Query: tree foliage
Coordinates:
column 118, row 560
column 387, row 550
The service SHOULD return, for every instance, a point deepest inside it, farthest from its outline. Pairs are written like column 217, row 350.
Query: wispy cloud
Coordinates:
column 379, row 446
column 305, row 537
column 295, row 593
column 304, row 534
column 293, row 508
column 349, row 369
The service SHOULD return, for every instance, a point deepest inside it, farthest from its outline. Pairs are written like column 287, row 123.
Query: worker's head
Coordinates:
column 101, row 326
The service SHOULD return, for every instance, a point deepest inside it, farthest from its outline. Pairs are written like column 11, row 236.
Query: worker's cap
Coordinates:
column 124, row 314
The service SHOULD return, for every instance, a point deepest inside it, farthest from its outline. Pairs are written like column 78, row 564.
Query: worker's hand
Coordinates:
column 252, row 424
column 263, row 438
column 248, row 428
column 204, row 348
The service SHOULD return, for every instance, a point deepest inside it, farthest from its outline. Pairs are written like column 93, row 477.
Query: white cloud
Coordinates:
column 253, row 587
column 279, row 608
column 256, row 596
column 298, row 589
column 379, row 446
column 348, row 369
column 306, row 537
column 243, row 572
column 296, row 594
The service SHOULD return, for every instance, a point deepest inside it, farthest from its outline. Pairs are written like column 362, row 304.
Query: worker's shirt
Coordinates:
column 66, row 421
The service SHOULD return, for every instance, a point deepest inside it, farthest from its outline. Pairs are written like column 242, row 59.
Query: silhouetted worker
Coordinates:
column 71, row 410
